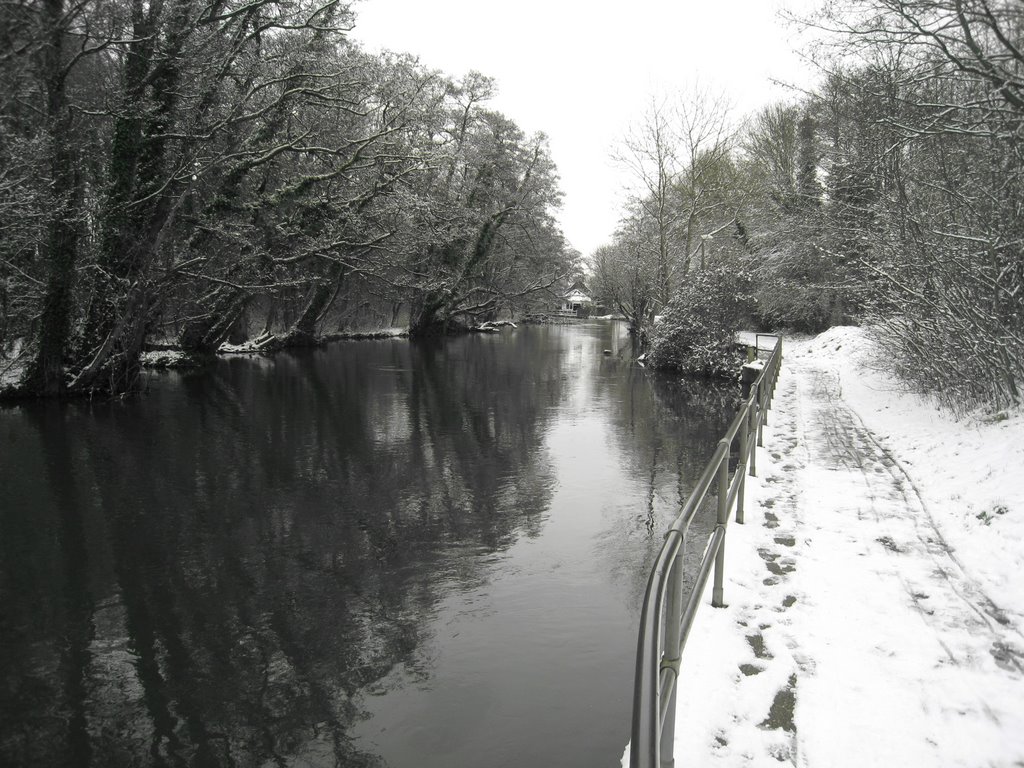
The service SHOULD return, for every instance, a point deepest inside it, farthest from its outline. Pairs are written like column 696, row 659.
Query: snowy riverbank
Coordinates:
column 876, row 594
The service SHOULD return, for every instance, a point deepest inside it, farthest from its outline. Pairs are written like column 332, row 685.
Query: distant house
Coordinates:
column 575, row 299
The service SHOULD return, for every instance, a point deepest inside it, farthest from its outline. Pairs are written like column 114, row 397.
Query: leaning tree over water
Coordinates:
column 180, row 168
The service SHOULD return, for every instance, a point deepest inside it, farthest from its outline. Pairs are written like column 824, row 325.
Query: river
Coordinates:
column 377, row 553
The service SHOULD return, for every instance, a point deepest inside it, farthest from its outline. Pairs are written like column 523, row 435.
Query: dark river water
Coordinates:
column 376, row 553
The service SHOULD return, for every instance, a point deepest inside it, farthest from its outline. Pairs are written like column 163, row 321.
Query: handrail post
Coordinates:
column 752, row 415
column 741, row 476
column 671, row 654
column 717, row 592
column 766, row 397
column 760, row 412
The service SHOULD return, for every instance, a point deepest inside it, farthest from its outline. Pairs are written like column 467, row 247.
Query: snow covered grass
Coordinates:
column 876, row 594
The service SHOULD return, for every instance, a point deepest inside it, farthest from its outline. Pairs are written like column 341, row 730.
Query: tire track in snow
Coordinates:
column 853, row 445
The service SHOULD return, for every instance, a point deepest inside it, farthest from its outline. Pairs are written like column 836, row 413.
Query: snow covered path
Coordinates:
column 855, row 634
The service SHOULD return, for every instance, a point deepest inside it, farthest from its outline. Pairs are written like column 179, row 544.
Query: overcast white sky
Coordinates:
column 581, row 72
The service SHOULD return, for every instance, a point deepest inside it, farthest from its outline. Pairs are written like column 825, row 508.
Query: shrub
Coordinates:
column 696, row 333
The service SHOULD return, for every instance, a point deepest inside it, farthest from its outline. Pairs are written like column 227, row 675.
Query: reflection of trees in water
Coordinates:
column 44, row 592
column 219, row 570
column 668, row 428
column 672, row 427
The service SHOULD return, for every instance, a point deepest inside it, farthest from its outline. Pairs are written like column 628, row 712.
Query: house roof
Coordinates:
column 577, row 286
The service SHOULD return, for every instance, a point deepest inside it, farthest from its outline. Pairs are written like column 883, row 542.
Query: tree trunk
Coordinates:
column 426, row 316
column 140, row 203
column 46, row 375
column 207, row 333
column 303, row 330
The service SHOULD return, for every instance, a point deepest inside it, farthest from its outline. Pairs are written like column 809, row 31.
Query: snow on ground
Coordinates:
column 11, row 372
column 170, row 358
column 13, row 362
column 876, row 594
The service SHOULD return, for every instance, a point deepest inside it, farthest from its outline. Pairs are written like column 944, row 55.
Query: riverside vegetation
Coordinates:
column 191, row 171
column 888, row 195
column 195, row 171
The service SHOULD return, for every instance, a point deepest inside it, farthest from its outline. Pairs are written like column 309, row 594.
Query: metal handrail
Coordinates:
column 665, row 622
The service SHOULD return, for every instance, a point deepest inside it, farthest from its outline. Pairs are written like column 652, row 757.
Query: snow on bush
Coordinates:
column 697, row 331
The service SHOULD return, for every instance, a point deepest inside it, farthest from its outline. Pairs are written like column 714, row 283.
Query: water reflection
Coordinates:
column 666, row 429
column 256, row 564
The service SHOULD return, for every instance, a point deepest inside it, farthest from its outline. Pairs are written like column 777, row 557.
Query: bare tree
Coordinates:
column 706, row 188
column 627, row 272
column 650, row 153
column 679, row 155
